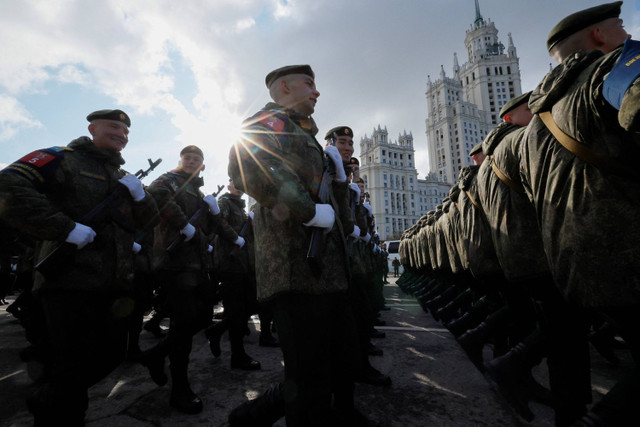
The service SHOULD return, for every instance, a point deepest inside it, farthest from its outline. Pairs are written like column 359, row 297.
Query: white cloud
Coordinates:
column 245, row 24
column 13, row 118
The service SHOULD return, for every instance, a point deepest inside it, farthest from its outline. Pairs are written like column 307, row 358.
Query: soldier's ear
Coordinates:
column 507, row 118
column 202, row 167
column 91, row 128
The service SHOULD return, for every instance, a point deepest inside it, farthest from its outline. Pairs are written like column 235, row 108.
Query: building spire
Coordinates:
column 479, row 21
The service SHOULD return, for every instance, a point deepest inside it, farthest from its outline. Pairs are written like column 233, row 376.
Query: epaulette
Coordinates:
column 38, row 166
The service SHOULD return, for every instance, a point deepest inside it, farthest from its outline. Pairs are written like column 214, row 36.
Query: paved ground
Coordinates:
column 433, row 381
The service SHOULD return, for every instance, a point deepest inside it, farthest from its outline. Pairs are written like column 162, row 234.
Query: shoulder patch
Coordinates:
column 38, row 166
column 38, row 158
column 270, row 120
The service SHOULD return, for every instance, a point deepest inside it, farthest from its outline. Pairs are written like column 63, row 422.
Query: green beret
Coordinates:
column 339, row 131
column 285, row 71
column 475, row 150
column 117, row 115
column 515, row 102
column 582, row 19
column 192, row 149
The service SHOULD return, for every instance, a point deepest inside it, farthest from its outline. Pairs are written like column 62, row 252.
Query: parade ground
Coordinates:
column 433, row 381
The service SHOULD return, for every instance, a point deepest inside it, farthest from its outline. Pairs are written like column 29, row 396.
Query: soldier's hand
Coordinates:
column 81, row 235
column 209, row 248
column 251, row 215
column 188, row 232
column 213, row 204
column 239, row 241
column 136, row 247
column 366, row 237
column 334, row 155
column 134, row 185
column 353, row 186
column 356, row 232
column 324, row 218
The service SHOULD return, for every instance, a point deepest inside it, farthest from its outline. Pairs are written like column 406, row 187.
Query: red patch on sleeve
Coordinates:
column 272, row 121
column 37, row 158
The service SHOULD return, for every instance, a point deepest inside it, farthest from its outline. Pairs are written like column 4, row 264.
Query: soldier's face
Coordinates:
column 344, row 144
column 521, row 115
column 302, row 93
column 110, row 134
column 613, row 33
column 191, row 163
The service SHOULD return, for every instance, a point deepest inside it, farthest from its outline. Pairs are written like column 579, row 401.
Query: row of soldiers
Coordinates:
column 539, row 240
column 104, row 243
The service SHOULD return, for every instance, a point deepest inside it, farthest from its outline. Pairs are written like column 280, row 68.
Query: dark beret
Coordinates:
column 117, row 115
column 515, row 102
column 339, row 131
column 192, row 149
column 582, row 19
column 475, row 150
column 285, row 71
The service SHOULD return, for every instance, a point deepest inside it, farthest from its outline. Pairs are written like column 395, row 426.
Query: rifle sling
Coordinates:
column 515, row 186
column 584, row 153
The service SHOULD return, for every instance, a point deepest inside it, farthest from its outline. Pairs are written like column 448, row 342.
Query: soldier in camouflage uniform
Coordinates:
column 87, row 305
column 184, row 270
column 280, row 164
column 578, row 167
column 234, row 268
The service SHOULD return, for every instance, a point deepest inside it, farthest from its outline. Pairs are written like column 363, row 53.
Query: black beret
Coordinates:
column 475, row 150
column 285, row 71
column 354, row 161
column 515, row 102
column 339, row 131
column 192, row 149
column 117, row 115
column 582, row 19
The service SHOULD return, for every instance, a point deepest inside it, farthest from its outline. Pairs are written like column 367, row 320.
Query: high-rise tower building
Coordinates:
column 463, row 108
column 397, row 196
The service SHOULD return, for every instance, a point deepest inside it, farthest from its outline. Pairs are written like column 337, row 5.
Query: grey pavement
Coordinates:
column 434, row 383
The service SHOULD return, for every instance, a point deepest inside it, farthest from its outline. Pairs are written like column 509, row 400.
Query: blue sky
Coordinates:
column 188, row 72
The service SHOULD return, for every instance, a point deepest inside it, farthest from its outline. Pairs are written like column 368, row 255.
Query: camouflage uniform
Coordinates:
column 184, row 271
column 86, row 307
column 280, row 164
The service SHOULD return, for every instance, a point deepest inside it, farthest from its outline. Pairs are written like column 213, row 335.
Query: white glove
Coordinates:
column 239, row 241
column 356, row 232
column 81, row 235
column 366, row 237
column 368, row 208
column 324, row 218
column 251, row 215
column 355, row 188
column 213, row 204
column 209, row 248
column 188, row 231
column 375, row 248
column 333, row 154
column 134, row 185
column 136, row 247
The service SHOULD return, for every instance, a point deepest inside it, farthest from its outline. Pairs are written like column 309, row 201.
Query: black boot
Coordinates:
column 214, row 333
column 245, row 362
column 473, row 341
column 153, row 360
column 372, row 376
column 263, row 411
column 182, row 397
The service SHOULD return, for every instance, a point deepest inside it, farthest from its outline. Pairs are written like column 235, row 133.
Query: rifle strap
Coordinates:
column 584, row 153
column 515, row 186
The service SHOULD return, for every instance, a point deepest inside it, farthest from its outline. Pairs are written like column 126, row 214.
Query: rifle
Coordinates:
column 193, row 220
column 316, row 244
column 54, row 264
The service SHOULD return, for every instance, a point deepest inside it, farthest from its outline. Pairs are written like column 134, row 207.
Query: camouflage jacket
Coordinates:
column 46, row 192
column 280, row 164
column 483, row 261
column 588, row 216
column 511, row 217
column 179, row 198
column 234, row 218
